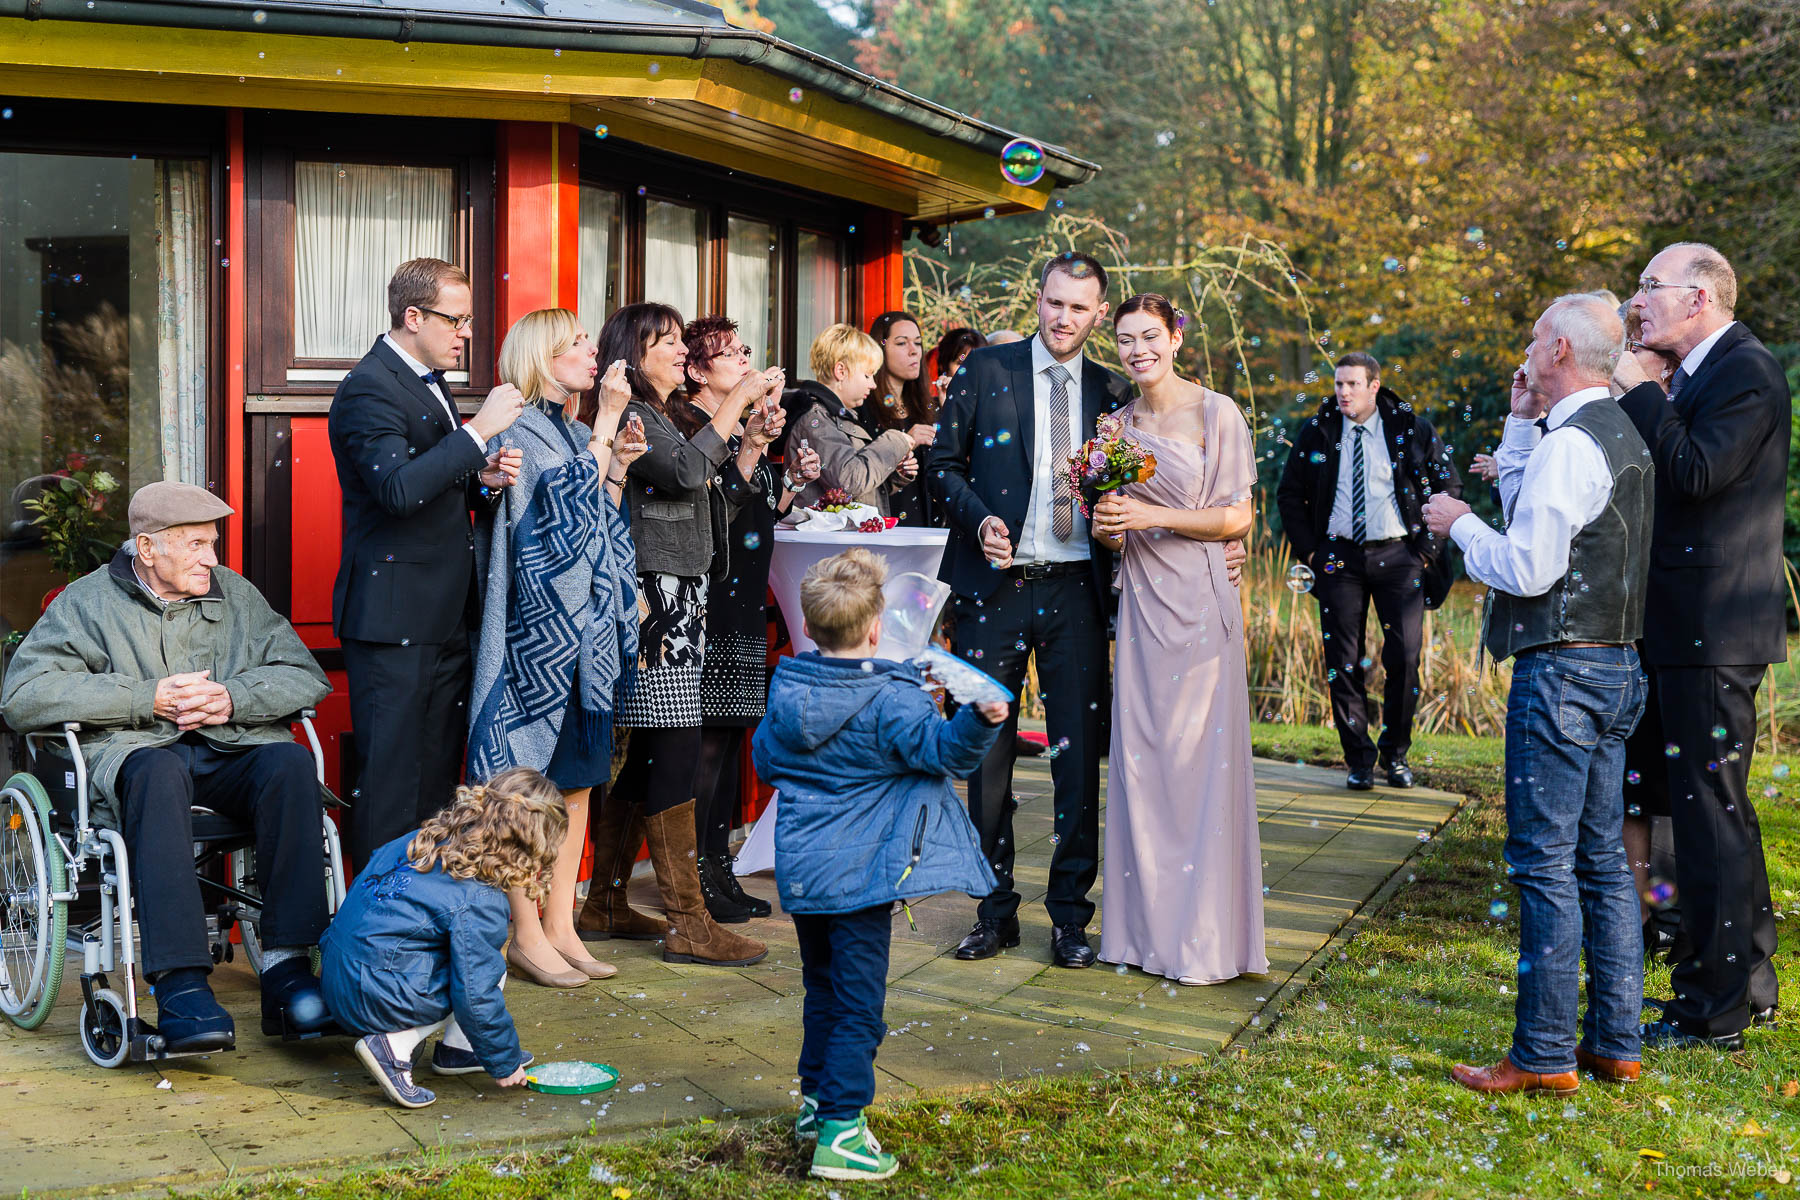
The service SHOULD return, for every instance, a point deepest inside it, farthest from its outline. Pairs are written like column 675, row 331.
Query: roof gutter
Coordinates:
column 747, row 46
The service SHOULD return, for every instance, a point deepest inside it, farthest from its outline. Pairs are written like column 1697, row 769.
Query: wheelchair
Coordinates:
column 48, row 848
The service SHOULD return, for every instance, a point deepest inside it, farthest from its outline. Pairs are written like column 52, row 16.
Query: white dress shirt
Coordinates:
column 1037, row 540
column 1698, row 354
column 421, row 370
column 1381, row 513
column 1553, row 485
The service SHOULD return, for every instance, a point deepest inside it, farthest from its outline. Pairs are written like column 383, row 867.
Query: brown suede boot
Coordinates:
column 693, row 937
column 618, row 830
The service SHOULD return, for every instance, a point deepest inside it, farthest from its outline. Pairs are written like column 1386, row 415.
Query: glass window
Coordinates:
column 353, row 224
column 103, row 349
column 674, row 241
column 751, row 274
column 823, row 291
column 598, row 292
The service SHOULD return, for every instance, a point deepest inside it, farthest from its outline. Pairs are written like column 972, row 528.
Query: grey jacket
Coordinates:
column 850, row 457
column 98, row 652
column 667, row 493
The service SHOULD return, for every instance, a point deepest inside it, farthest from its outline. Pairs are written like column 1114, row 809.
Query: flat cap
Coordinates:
column 158, row 506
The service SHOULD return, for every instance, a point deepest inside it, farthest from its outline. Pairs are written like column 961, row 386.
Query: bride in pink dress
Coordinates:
column 1182, row 896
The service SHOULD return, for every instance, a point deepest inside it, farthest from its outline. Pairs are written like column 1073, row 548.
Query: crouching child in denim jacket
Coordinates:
column 418, row 946
column 866, row 816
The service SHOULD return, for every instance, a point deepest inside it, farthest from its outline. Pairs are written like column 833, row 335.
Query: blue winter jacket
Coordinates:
column 863, row 762
column 411, row 947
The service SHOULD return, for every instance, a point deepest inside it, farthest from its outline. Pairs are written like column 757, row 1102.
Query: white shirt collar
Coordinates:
column 1565, row 408
column 1041, row 359
column 418, row 368
column 1696, row 356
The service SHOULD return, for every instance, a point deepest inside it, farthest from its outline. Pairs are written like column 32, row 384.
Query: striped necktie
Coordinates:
column 1359, row 478
column 1062, row 504
column 1677, row 382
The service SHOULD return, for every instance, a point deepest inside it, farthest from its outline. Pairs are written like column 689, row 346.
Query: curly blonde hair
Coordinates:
column 504, row 832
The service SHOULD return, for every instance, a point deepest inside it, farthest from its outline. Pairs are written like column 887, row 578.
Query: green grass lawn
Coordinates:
column 1346, row 1094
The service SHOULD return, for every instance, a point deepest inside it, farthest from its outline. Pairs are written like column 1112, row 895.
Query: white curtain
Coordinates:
column 673, row 236
column 597, row 295
column 821, row 292
column 181, row 256
column 353, row 224
column 749, row 286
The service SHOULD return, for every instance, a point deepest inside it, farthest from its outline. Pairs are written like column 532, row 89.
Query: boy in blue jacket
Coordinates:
column 867, row 816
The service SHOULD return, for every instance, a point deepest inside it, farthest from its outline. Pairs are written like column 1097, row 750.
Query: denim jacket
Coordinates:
column 863, row 762
column 411, row 947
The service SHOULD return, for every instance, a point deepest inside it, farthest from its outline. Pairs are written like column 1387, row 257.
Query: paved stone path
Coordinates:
column 699, row 1043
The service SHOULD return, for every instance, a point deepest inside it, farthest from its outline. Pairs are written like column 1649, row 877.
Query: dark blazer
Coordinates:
column 1716, row 593
column 1308, row 487
column 981, row 465
column 408, row 478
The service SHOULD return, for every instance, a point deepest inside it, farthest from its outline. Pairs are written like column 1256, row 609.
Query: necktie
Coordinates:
column 1543, row 424
column 1062, row 506
column 1359, row 478
column 1678, row 382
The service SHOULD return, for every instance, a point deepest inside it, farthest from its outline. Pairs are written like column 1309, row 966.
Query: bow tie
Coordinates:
column 435, row 378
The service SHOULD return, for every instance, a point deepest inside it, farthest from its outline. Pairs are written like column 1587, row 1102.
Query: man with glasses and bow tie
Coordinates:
column 1714, row 619
column 406, row 600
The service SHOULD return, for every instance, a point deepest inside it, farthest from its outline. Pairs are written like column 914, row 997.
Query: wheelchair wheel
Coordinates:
column 33, row 923
column 103, row 1026
column 243, row 877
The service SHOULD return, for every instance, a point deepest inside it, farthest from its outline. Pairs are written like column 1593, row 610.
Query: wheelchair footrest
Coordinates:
column 287, row 1031
column 147, row 1045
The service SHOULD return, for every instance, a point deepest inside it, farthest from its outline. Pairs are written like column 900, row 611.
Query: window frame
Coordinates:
column 640, row 175
column 276, row 141
column 106, row 129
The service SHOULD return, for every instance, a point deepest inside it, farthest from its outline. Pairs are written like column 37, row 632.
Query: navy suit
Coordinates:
column 1715, row 616
column 405, row 599
column 982, row 466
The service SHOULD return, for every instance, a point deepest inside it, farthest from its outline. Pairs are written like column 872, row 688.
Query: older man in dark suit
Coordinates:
column 1715, row 618
column 405, row 600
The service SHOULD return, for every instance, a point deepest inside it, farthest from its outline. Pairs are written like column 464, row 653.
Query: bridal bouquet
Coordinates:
column 1107, row 461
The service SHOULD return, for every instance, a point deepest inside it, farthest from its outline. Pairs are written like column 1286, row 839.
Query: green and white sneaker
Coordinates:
column 848, row 1151
column 806, row 1124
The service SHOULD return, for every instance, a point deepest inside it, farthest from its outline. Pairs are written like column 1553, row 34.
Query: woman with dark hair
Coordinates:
column 902, row 400
column 676, row 526
column 951, row 350
column 1183, row 883
column 734, row 683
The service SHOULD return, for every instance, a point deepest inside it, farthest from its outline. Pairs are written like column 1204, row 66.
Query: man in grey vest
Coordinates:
column 1566, row 604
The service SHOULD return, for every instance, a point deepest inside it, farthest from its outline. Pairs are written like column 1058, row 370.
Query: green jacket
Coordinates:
column 98, row 652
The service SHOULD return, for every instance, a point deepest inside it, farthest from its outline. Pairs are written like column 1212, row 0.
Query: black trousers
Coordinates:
column 273, row 790
column 409, row 706
column 1386, row 573
column 1062, row 622
column 1721, row 879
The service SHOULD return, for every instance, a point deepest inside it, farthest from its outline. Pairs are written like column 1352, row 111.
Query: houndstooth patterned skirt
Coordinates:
column 671, row 647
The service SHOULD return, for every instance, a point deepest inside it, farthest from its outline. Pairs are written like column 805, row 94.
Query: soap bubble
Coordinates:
column 1780, row 771
column 1022, row 161
column 1660, row 894
column 1390, row 264
column 1633, row 777
column 752, row 540
column 259, row 16
column 1497, row 910
column 600, row 131
column 796, row 95
column 1052, row 751
column 987, row 214
column 1300, row 578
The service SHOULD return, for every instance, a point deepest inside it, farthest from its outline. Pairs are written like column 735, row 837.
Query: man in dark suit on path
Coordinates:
column 405, row 600
column 1026, row 578
column 1350, row 498
column 1715, row 617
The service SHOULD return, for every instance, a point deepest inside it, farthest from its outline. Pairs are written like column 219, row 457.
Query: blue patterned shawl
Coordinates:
column 561, row 605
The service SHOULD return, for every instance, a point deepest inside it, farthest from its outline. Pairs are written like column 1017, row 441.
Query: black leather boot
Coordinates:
column 724, row 909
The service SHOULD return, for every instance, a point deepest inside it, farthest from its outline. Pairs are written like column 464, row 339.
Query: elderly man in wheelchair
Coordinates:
column 183, row 680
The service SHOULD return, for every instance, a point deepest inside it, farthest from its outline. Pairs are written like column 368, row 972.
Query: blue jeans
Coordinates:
column 1567, row 718
column 843, row 963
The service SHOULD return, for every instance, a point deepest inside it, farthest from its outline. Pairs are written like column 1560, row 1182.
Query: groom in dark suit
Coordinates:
column 405, row 599
column 1715, row 617
column 1028, row 578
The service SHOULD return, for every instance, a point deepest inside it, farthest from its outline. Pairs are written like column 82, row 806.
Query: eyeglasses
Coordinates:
column 1648, row 285
column 457, row 323
column 742, row 352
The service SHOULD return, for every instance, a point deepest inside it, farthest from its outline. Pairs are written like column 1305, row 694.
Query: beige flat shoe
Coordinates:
column 524, row 968
column 593, row 968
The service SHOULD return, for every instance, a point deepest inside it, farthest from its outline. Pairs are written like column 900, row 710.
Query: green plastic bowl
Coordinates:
column 599, row 1078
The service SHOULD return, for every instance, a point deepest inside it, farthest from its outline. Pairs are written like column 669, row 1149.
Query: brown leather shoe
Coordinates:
column 1504, row 1078
column 1609, row 1070
column 617, row 831
column 693, row 935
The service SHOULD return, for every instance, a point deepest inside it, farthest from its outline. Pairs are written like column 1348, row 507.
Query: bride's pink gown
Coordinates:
column 1183, row 883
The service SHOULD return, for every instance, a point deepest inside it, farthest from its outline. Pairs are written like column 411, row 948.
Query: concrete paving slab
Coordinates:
column 704, row 1044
